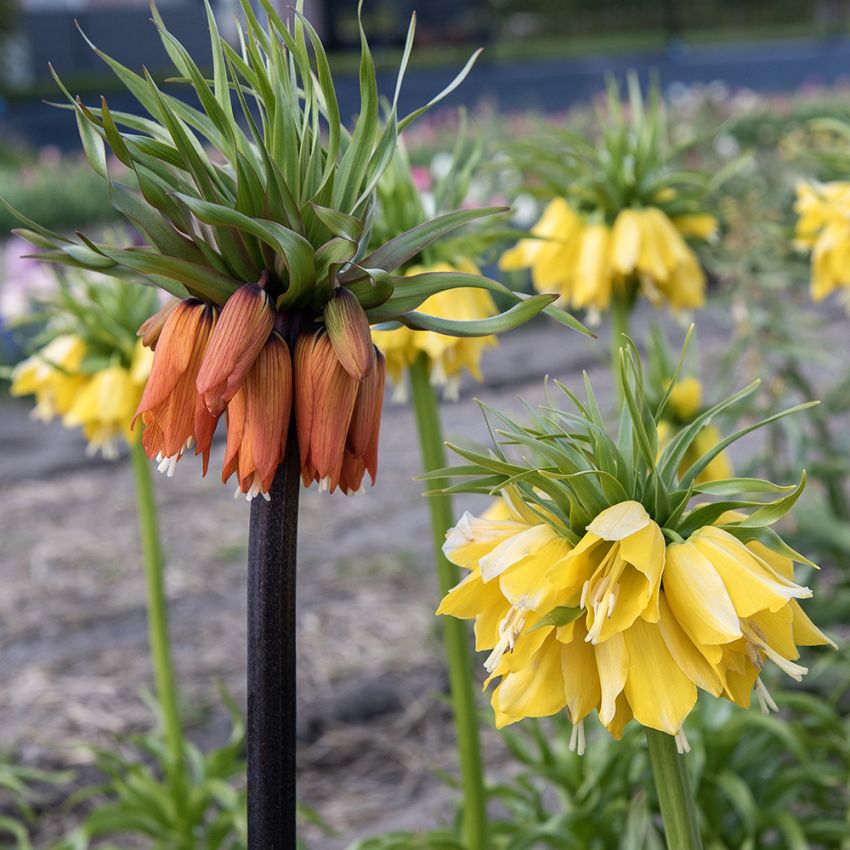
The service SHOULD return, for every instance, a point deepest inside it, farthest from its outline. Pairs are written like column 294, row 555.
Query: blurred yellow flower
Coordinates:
column 684, row 403
column 105, row 406
column 824, row 227
column 588, row 261
column 52, row 376
column 101, row 403
column 448, row 356
column 623, row 623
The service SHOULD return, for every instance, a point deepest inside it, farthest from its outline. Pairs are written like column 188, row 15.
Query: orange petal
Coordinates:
column 268, row 404
column 334, row 396
column 235, row 431
column 151, row 328
column 174, row 349
column 348, row 330
column 304, row 398
column 370, row 397
column 245, row 324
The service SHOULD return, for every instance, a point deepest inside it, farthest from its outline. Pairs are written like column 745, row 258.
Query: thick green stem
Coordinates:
column 455, row 632
column 681, row 824
column 160, row 643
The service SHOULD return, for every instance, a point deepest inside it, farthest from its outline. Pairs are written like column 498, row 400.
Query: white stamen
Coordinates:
column 682, row 744
column 584, row 590
column 190, row 443
column 167, row 465
column 577, row 738
column 509, row 630
column 766, row 701
column 324, row 484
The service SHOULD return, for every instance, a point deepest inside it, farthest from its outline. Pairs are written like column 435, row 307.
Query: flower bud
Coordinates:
column 348, row 331
column 245, row 324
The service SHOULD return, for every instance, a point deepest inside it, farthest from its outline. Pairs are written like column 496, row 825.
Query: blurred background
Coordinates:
column 743, row 76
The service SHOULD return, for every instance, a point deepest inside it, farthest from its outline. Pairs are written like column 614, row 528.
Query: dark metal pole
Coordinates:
column 271, row 659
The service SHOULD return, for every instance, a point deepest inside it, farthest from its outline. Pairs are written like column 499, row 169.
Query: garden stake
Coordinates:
column 455, row 632
column 681, row 822
column 272, row 543
column 160, row 644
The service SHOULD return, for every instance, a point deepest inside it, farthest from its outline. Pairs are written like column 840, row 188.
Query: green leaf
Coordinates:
column 393, row 254
column 292, row 248
column 771, row 513
column 517, row 315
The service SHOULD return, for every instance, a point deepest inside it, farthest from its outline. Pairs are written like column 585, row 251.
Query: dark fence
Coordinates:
column 125, row 34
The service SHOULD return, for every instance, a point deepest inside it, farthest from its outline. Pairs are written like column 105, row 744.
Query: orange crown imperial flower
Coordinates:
column 241, row 332
column 252, row 243
column 338, row 417
column 170, row 408
column 258, row 420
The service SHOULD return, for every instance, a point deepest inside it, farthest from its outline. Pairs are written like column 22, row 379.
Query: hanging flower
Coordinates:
column 52, row 375
column 105, row 406
column 589, row 262
column 823, row 226
column 447, row 356
column 275, row 262
column 93, row 377
column 618, row 212
column 604, row 589
column 174, row 416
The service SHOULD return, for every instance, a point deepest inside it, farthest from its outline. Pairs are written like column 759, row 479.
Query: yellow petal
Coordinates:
column 474, row 537
column 751, row 583
column 688, row 658
column 701, row 225
column 660, row 695
column 538, row 689
column 515, row 548
column 581, row 679
column 612, row 662
column 697, row 596
column 625, row 241
column 620, row 521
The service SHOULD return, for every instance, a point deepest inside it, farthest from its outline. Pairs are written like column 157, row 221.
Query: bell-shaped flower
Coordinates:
column 174, row 416
column 52, row 375
column 258, row 420
column 104, row 409
column 447, row 356
column 338, row 417
column 240, row 333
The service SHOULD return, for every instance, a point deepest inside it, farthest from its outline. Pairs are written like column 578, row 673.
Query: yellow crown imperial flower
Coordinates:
column 618, row 212
column 448, row 356
column 589, row 262
column 52, row 375
column 94, row 377
column 823, row 226
column 609, row 581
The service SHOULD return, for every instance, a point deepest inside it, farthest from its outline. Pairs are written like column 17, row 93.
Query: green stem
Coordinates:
column 621, row 311
column 160, row 644
column 455, row 632
column 681, row 824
